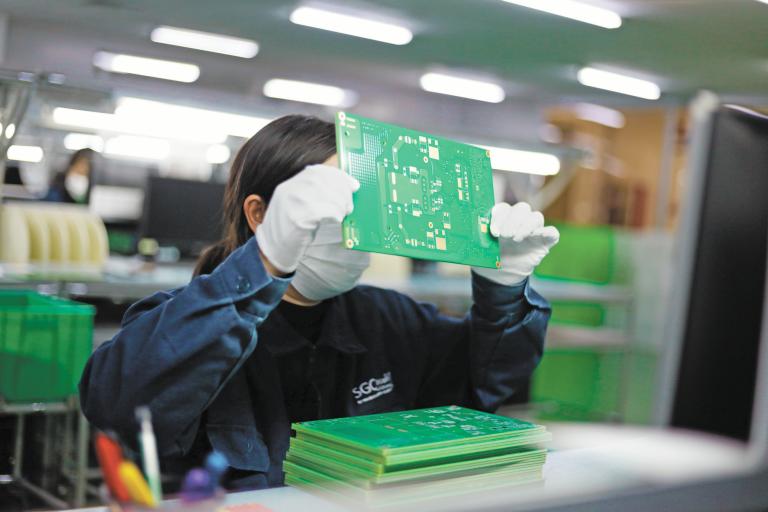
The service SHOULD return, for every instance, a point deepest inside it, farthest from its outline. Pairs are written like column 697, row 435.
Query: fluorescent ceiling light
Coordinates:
column 462, row 87
column 622, row 84
column 205, row 41
column 578, row 11
column 600, row 115
column 217, row 154
column 138, row 116
column 351, row 25
column 143, row 148
column 10, row 130
column 206, row 121
column 309, row 92
column 164, row 127
column 145, row 66
column 75, row 141
column 84, row 119
column 529, row 162
column 33, row 154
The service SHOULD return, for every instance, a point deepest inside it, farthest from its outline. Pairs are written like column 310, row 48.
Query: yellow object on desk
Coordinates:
column 136, row 485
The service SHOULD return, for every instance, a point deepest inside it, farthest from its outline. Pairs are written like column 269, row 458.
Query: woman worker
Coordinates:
column 274, row 329
column 73, row 184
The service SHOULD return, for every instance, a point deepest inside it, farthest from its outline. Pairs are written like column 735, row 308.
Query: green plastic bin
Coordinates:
column 581, row 314
column 579, row 384
column 585, row 254
column 596, row 384
column 44, row 344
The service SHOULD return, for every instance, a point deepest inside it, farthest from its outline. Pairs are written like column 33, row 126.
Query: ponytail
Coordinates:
column 210, row 258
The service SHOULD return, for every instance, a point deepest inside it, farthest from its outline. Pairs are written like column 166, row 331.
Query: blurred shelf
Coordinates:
column 35, row 407
column 460, row 287
column 559, row 336
column 17, row 192
column 561, row 290
column 126, row 279
column 123, row 280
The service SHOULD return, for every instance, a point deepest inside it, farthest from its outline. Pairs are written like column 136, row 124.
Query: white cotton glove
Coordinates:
column 298, row 206
column 523, row 239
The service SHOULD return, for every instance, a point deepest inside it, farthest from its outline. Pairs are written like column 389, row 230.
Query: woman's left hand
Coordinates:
column 524, row 242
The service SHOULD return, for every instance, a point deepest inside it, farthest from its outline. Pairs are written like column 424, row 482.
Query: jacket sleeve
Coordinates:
column 481, row 360
column 176, row 350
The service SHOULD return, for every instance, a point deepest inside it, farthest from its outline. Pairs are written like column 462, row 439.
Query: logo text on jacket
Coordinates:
column 373, row 388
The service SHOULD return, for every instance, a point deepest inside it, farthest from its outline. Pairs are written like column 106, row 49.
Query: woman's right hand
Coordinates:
column 297, row 207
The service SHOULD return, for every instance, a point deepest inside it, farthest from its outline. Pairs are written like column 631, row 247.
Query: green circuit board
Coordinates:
column 420, row 196
column 332, row 464
column 423, row 434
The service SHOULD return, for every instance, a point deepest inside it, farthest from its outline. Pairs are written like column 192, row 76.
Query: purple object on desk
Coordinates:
column 197, row 485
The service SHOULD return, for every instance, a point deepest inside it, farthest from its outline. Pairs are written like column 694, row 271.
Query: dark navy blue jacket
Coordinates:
column 206, row 359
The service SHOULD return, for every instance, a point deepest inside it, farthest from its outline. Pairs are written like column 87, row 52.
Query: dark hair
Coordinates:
column 276, row 153
column 81, row 154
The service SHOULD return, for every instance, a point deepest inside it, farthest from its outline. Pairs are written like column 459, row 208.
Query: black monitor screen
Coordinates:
column 182, row 213
column 718, row 367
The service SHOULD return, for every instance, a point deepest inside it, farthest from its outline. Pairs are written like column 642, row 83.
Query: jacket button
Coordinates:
column 243, row 285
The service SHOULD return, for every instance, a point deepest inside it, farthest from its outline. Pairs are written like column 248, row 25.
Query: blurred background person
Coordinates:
column 73, row 183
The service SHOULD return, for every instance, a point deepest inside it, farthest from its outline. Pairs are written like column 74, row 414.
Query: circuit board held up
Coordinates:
column 420, row 196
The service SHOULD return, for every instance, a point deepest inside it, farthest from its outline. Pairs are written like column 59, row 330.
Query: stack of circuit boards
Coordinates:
column 409, row 456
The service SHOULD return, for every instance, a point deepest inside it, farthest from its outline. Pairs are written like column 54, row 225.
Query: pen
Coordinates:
column 110, row 456
column 136, row 485
column 149, row 452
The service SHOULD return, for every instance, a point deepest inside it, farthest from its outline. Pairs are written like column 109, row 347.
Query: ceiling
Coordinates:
column 684, row 45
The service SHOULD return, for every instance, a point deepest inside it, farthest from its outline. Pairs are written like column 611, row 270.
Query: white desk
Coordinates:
column 588, row 462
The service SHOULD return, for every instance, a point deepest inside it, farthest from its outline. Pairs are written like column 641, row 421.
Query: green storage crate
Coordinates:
column 596, row 384
column 44, row 344
column 579, row 384
column 641, row 393
column 581, row 314
column 586, row 254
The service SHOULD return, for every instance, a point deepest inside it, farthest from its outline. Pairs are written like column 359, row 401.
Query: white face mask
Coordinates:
column 327, row 268
column 77, row 186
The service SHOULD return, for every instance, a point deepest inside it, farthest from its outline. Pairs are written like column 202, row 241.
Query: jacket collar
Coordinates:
column 281, row 338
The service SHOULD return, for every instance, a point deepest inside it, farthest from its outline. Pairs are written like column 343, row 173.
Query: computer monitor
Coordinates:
column 714, row 380
column 12, row 174
column 185, row 214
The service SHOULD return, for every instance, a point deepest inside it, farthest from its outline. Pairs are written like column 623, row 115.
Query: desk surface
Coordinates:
column 587, row 463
